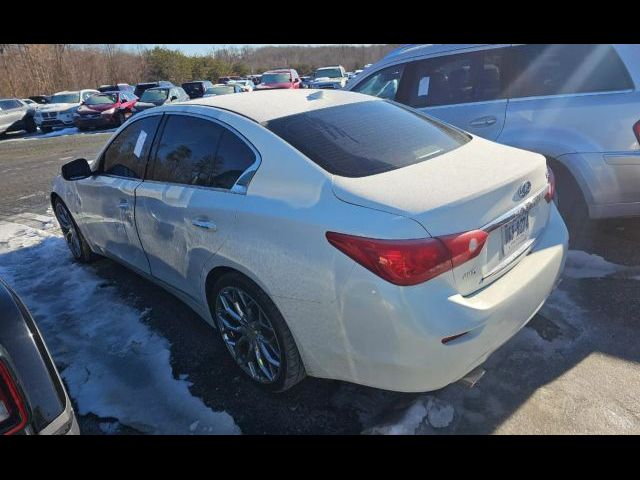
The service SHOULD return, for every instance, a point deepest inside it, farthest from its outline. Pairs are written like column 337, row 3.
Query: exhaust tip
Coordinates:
column 473, row 377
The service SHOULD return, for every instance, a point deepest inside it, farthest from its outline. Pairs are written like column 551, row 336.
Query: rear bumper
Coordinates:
column 609, row 181
column 391, row 338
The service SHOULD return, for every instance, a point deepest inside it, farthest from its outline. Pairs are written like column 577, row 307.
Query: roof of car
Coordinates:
column 413, row 50
column 267, row 105
column 279, row 70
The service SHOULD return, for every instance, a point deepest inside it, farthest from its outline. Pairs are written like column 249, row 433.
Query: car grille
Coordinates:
column 49, row 115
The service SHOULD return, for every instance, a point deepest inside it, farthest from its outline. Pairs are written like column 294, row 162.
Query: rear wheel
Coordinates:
column 255, row 333
column 75, row 240
column 569, row 198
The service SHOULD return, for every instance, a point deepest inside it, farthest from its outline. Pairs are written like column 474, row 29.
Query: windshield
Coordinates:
column 222, row 90
column 275, row 78
column 191, row 88
column 101, row 99
column 366, row 138
column 327, row 72
column 154, row 95
column 73, row 97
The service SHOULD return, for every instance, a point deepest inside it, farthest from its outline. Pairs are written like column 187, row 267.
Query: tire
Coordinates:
column 46, row 129
column 75, row 240
column 30, row 125
column 258, row 311
column 120, row 118
column 569, row 199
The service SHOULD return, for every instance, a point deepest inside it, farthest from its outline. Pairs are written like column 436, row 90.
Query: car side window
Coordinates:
column 195, row 151
column 439, row 81
column 86, row 95
column 565, row 69
column 127, row 154
column 383, row 84
column 187, row 150
column 233, row 158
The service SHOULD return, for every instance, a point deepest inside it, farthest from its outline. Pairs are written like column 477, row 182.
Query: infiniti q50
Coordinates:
column 325, row 233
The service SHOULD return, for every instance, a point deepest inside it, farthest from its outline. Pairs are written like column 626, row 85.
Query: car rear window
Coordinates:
column 366, row 138
column 193, row 88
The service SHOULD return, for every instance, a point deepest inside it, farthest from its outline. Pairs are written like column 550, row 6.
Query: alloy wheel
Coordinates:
column 68, row 229
column 248, row 334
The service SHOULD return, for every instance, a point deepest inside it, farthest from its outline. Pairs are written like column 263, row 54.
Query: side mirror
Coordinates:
column 76, row 170
column 173, row 98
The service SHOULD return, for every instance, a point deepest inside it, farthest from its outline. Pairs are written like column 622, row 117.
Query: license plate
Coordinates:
column 515, row 233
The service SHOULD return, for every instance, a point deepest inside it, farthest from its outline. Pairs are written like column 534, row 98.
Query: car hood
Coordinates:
column 57, row 107
column 146, row 105
column 96, row 108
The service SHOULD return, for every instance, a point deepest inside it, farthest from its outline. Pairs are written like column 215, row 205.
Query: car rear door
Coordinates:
column 464, row 89
column 107, row 199
column 187, row 205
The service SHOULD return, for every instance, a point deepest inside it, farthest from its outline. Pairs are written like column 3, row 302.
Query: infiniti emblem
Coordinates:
column 524, row 189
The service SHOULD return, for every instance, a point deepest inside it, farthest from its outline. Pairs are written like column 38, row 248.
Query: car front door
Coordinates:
column 107, row 199
column 187, row 205
column 466, row 89
column 12, row 112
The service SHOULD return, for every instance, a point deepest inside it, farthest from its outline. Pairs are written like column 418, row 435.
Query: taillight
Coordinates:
column 636, row 130
column 410, row 262
column 551, row 189
column 13, row 414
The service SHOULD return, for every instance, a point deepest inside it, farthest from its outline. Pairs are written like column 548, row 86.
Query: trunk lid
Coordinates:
column 479, row 185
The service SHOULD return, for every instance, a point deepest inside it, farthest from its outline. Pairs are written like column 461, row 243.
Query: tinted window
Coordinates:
column 9, row 104
column 234, row 157
column 383, row 84
column 127, row 155
column 565, row 69
column 187, row 151
column 360, row 139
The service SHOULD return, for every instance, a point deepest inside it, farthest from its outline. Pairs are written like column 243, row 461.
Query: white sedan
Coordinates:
column 325, row 233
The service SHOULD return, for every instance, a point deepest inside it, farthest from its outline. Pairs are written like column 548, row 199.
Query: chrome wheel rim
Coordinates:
column 68, row 230
column 248, row 334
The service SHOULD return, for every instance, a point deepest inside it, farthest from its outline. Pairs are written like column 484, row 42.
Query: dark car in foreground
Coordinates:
column 33, row 400
column 16, row 115
column 196, row 88
column 109, row 109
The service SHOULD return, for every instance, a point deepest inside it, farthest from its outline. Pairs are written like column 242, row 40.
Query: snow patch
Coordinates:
column 115, row 366
column 581, row 264
column 427, row 411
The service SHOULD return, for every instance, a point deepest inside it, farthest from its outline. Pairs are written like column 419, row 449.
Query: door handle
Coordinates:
column 483, row 121
column 124, row 205
column 204, row 224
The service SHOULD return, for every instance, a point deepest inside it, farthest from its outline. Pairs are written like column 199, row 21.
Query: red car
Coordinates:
column 108, row 109
column 284, row 78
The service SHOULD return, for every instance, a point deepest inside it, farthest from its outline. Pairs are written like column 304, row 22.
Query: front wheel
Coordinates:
column 30, row 125
column 120, row 118
column 255, row 333
column 46, row 129
column 75, row 241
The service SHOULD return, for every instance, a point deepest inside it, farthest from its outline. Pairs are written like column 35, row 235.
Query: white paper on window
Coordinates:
column 140, row 143
column 423, row 87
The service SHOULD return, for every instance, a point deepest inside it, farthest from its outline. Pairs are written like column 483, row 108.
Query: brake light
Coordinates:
column 13, row 413
column 551, row 189
column 636, row 130
column 410, row 262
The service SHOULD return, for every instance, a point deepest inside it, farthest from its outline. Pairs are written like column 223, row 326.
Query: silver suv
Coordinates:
column 578, row 105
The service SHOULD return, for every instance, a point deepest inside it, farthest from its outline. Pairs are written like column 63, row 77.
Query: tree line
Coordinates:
column 42, row 69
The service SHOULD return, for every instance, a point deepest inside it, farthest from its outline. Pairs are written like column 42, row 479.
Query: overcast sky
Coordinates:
column 202, row 48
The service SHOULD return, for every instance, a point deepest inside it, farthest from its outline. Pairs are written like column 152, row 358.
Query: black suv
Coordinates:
column 196, row 88
column 142, row 87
